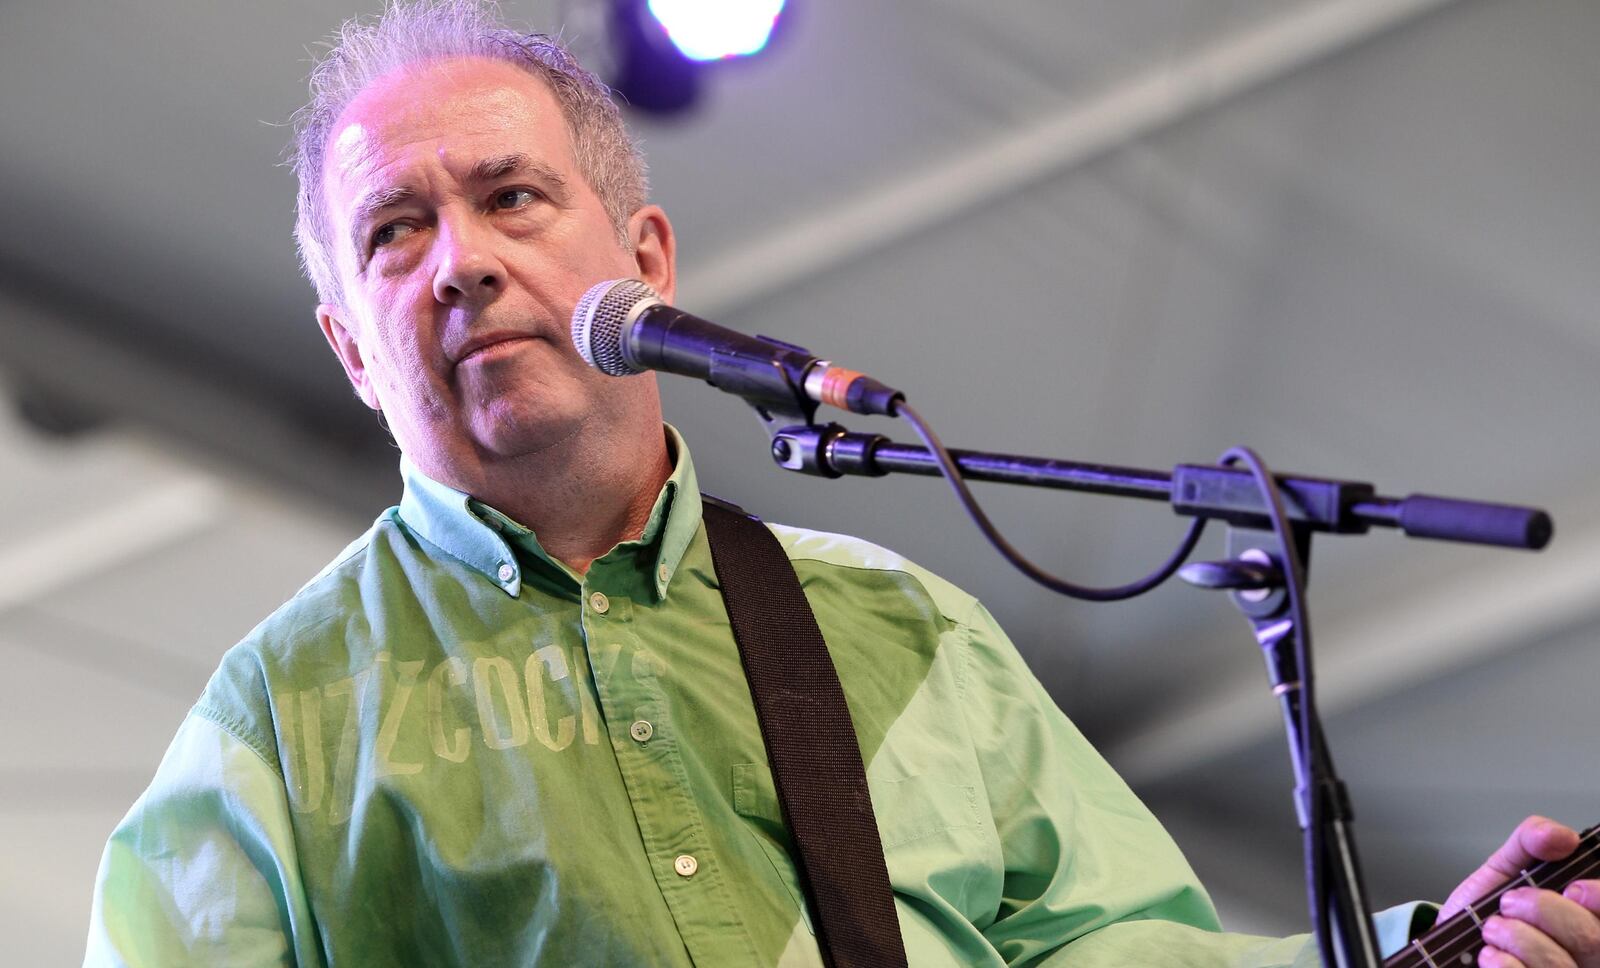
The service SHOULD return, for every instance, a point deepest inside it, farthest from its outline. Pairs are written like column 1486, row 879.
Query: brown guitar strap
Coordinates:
column 811, row 745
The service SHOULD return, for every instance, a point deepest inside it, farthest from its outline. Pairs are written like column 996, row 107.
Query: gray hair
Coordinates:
column 411, row 32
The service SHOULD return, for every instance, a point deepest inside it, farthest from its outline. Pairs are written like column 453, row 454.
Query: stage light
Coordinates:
column 708, row 30
column 662, row 51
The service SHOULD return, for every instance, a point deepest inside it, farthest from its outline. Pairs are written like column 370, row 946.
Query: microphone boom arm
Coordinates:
column 1195, row 490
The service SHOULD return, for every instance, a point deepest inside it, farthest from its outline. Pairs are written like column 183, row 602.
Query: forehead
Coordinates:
column 444, row 114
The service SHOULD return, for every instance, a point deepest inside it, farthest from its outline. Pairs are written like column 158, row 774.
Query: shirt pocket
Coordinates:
column 755, row 798
column 917, row 818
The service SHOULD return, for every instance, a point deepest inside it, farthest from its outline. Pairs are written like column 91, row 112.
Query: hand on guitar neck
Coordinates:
column 1535, row 903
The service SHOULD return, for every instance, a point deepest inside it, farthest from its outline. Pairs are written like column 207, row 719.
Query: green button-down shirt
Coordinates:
column 451, row 749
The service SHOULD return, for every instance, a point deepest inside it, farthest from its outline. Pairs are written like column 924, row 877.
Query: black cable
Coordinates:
column 952, row 473
column 1312, row 750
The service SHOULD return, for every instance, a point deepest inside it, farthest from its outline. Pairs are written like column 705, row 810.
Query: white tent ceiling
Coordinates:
column 1357, row 235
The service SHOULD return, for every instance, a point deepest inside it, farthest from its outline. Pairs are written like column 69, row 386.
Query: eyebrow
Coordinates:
column 499, row 166
column 369, row 205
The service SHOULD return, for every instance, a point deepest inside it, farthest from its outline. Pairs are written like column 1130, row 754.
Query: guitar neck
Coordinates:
column 1456, row 942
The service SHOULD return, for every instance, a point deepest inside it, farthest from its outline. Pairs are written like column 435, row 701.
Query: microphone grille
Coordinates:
column 599, row 317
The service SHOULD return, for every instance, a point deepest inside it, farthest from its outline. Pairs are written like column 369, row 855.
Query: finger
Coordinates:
column 1495, row 958
column 1548, row 839
column 1570, row 925
column 1526, row 942
column 1535, row 839
column 1584, row 893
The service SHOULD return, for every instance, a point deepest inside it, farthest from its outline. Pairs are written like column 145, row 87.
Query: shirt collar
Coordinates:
column 486, row 540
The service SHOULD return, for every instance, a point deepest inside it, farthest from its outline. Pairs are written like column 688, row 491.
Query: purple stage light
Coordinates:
column 708, row 30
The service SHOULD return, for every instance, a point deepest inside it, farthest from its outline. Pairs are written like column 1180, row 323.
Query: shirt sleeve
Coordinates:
column 202, row 871
column 1091, row 877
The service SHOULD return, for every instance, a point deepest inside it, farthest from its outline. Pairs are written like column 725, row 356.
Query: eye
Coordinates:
column 390, row 233
column 513, row 198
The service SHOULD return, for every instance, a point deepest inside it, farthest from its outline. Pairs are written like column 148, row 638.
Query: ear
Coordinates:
column 655, row 250
column 348, row 349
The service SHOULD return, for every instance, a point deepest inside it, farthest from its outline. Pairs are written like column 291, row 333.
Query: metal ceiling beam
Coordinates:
column 106, row 362
column 119, row 530
column 1136, row 108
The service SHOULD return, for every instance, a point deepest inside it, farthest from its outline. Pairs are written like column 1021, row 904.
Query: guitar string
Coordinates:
column 1412, row 957
column 1579, row 859
column 1457, row 948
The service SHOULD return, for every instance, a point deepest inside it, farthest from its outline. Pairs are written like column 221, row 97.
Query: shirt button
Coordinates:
column 599, row 603
column 641, row 731
column 686, row 865
column 507, row 572
column 663, row 573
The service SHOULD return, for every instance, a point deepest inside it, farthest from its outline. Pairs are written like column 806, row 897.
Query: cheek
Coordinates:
column 559, row 266
column 405, row 364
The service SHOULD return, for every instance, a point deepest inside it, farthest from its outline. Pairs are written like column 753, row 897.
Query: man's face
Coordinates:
column 465, row 234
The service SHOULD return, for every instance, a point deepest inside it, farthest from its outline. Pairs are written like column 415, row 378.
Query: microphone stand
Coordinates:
column 1271, row 521
column 1263, row 573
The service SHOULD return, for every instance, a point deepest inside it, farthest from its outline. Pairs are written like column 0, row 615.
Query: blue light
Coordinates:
column 707, row 30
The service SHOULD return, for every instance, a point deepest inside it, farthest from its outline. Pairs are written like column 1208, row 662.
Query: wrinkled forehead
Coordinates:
column 445, row 115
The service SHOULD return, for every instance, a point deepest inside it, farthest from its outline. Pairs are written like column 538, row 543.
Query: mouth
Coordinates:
column 491, row 345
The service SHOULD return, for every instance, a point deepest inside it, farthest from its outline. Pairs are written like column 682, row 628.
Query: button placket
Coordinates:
column 638, row 717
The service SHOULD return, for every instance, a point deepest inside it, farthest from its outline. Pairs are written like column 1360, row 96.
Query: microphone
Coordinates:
column 621, row 327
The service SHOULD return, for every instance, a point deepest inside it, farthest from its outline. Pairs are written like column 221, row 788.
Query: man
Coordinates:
column 509, row 724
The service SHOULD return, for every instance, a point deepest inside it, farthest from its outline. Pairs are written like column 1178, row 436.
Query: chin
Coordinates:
column 523, row 428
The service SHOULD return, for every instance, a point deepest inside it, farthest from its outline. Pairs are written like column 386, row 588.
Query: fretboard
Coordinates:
column 1456, row 942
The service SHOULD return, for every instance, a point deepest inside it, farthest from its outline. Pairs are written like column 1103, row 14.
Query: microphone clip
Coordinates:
column 827, row 450
column 774, row 384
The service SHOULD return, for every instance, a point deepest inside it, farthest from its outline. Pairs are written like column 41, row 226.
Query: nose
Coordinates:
column 469, row 272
